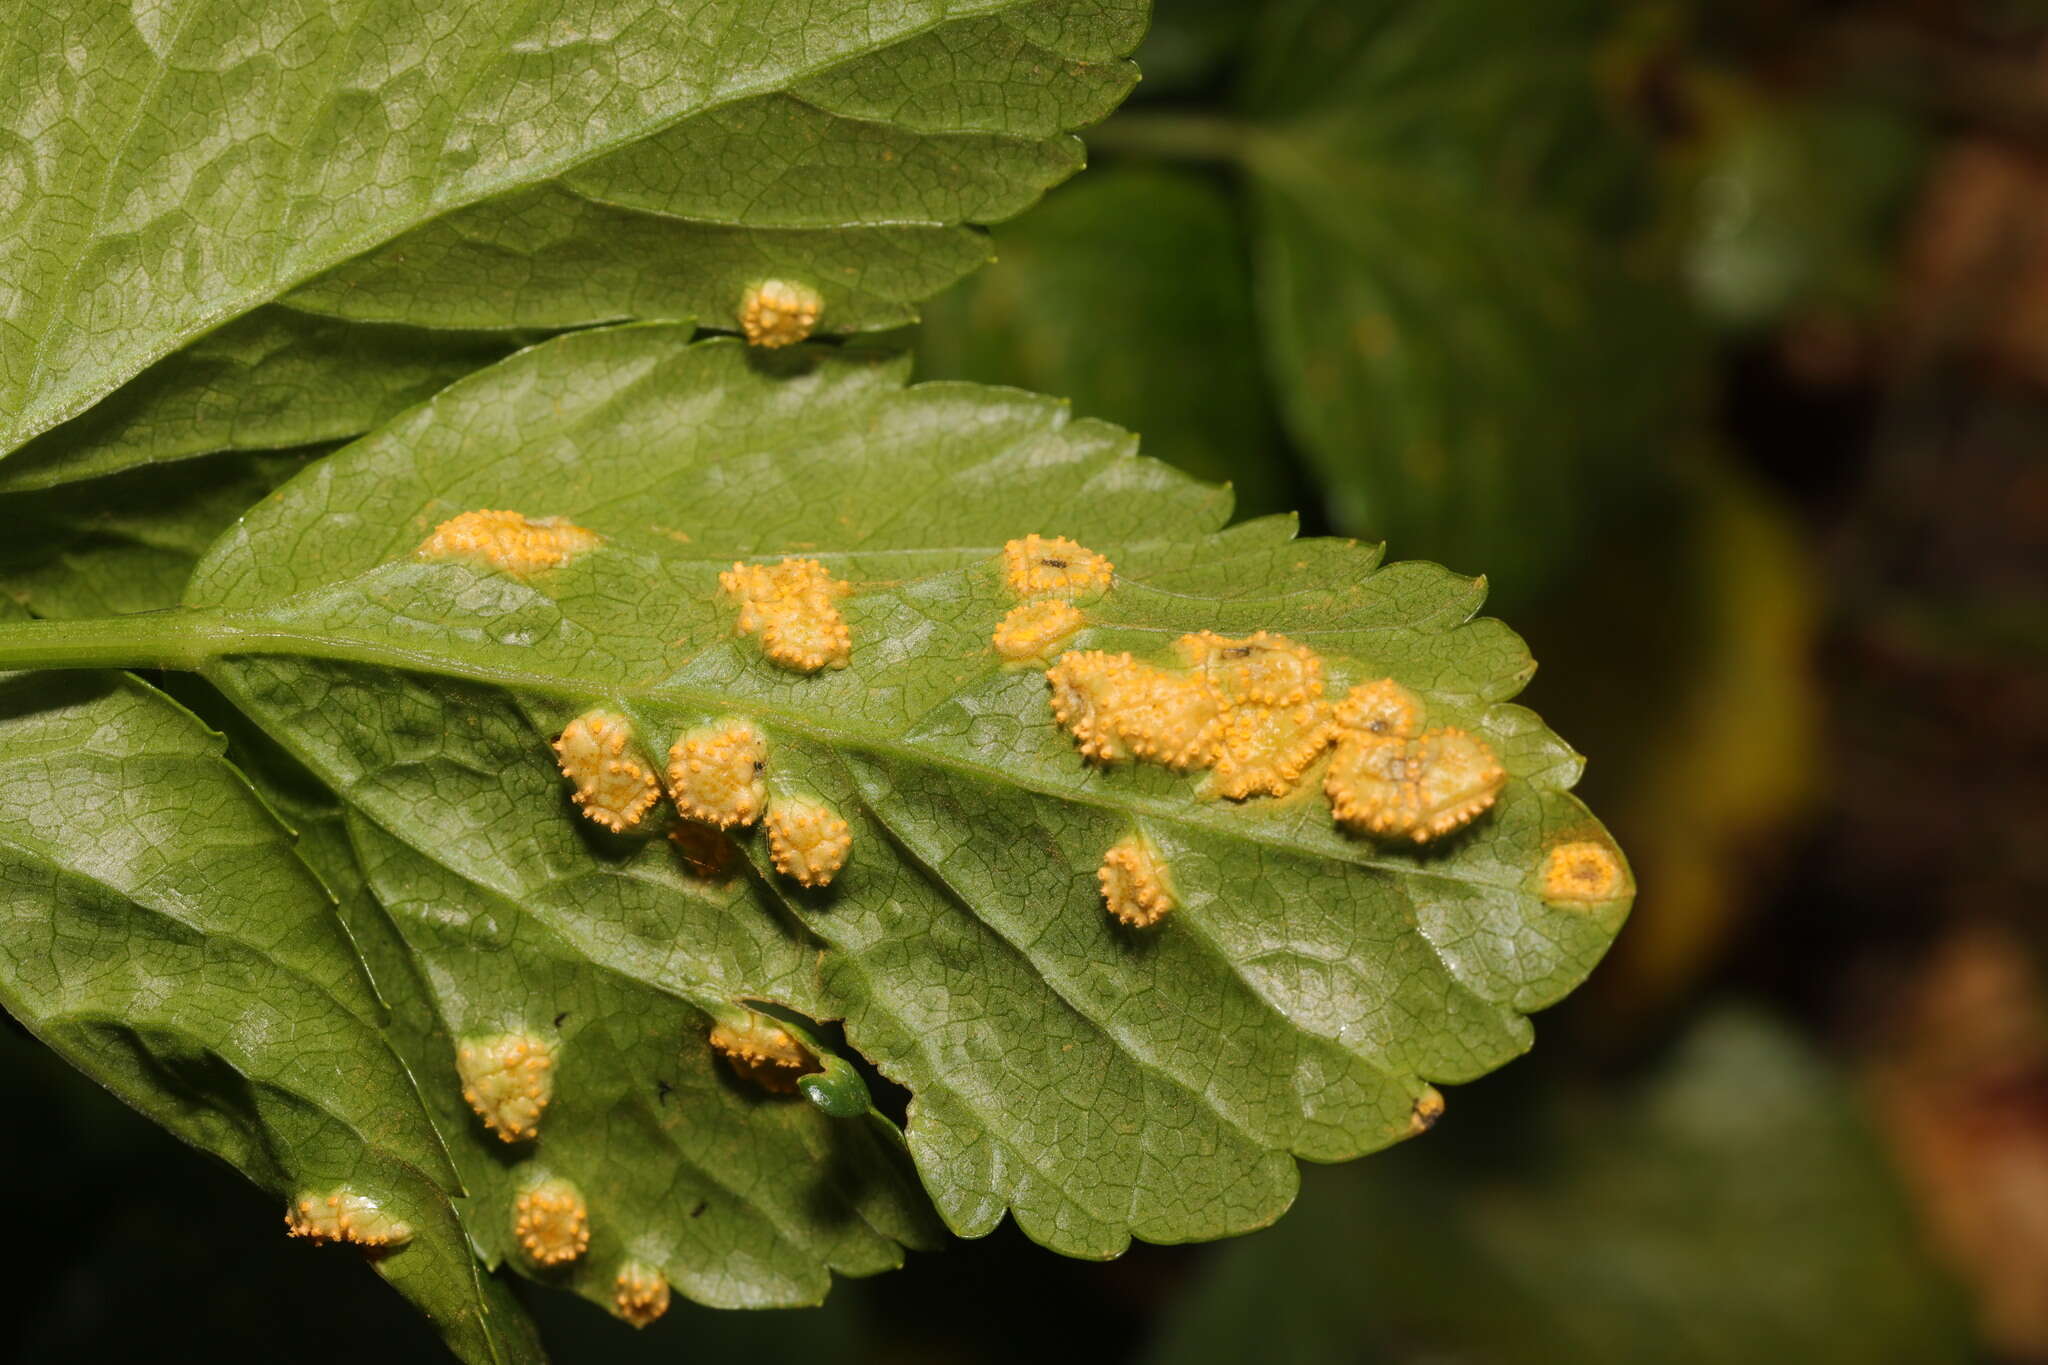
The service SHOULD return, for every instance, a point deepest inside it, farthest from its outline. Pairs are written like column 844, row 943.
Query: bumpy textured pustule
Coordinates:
column 1383, row 709
column 1585, row 871
column 1032, row 630
column 1261, row 669
column 343, row 1215
column 1053, row 566
column 807, row 840
column 779, row 313
column 1134, row 883
column 551, row 1222
column 508, row 1079
column 1265, row 750
column 717, row 773
column 614, row 787
column 1412, row 788
column 760, row 1050
column 791, row 607
column 640, row 1293
column 508, row 541
column 1119, row 708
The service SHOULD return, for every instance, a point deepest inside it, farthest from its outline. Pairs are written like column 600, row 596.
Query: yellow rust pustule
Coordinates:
column 344, row 1215
column 1053, row 566
column 717, row 773
column 808, row 840
column 640, row 1293
column 1585, row 871
column 1031, row 630
column 1383, row 709
column 792, row 607
column 1134, row 883
column 1260, row 669
column 779, row 312
column 614, row 787
column 1119, row 708
column 762, row 1051
column 1265, row 750
column 508, row 1078
column 1412, row 788
column 551, row 1222
column 1428, row 1108
column 509, row 541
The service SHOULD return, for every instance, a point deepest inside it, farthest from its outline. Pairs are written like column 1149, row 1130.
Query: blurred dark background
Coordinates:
column 1716, row 335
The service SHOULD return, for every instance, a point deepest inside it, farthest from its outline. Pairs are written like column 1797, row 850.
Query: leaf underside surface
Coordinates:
column 1098, row 1084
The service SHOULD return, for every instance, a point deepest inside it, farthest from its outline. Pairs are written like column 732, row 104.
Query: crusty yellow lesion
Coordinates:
column 1418, row 788
column 551, row 1222
column 807, row 840
column 1054, row 566
column 792, row 606
column 640, row 1293
column 1030, row 630
column 614, row 787
column 762, row 1051
column 717, row 773
column 1584, row 870
column 509, row 541
column 1382, row 708
column 1260, row 669
column 1134, row 883
column 1265, row 750
column 508, row 1078
column 345, row 1215
column 779, row 312
column 1250, row 710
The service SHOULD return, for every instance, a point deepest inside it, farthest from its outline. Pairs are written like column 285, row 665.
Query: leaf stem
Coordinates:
column 176, row 639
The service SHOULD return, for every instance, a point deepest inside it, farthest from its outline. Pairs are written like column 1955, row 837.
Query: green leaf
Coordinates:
column 1733, row 1209
column 1119, row 293
column 268, row 381
column 1446, row 212
column 745, row 1200
column 1301, row 999
column 127, row 542
column 157, row 931
column 176, row 168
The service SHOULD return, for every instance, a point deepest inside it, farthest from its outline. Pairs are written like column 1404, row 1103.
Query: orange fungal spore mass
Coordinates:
column 1584, row 870
column 1031, row 629
column 792, row 607
column 1134, row 883
column 508, row 541
column 343, row 1215
column 1383, row 708
column 779, row 313
column 508, row 1079
column 808, row 841
column 1261, row 669
column 640, row 1293
column 1053, row 566
column 1412, row 788
column 715, row 774
column 614, row 787
column 551, row 1222
column 762, row 1051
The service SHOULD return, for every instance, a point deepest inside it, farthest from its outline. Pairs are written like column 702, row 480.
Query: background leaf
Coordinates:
column 1120, row 293
column 160, row 935
column 1460, row 340
column 255, row 151
column 1732, row 1209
